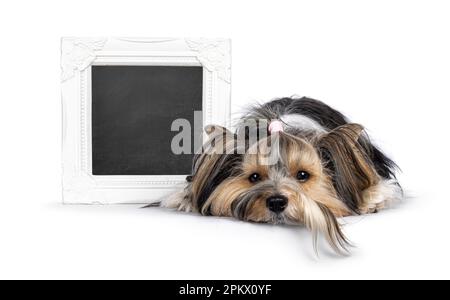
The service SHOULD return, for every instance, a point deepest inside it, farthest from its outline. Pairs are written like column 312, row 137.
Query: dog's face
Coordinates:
column 279, row 183
column 281, row 179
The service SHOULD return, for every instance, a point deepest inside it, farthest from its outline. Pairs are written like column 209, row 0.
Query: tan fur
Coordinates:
column 220, row 141
column 222, row 198
column 352, row 164
column 298, row 155
column 258, row 211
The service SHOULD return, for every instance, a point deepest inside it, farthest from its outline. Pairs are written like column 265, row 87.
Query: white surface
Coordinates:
column 385, row 64
column 77, row 56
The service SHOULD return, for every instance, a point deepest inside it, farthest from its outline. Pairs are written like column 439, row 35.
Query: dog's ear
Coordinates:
column 217, row 162
column 212, row 130
column 350, row 166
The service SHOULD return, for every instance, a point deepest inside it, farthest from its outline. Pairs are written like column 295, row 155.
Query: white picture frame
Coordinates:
column 77, row 57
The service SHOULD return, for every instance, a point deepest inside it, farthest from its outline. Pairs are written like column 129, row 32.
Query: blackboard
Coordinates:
column 133, row 108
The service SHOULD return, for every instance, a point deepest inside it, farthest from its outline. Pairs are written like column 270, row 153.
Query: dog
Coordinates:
column 308, row 165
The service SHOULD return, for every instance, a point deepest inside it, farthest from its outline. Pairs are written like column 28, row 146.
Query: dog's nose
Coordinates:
column 277, row 203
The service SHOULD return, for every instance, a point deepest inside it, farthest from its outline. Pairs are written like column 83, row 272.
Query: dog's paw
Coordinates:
column 380, row 196
column 178, row 201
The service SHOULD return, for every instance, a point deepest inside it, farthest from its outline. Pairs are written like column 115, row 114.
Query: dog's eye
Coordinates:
column 303, row 176
column 255, row 177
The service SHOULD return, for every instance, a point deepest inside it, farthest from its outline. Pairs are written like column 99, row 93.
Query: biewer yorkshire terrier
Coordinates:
column 290, row 161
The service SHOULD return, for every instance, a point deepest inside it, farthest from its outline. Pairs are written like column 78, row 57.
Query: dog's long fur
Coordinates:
column 347, row 174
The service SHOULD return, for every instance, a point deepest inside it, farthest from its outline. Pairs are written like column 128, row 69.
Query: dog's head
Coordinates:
column 281, row 179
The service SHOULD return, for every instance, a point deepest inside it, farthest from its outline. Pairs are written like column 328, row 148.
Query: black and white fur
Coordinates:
column 309, row 120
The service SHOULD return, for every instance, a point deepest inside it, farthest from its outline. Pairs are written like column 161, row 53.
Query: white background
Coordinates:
column 386, row 64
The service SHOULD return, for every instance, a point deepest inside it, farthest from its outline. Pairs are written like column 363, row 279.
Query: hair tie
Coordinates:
column 276, row 126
